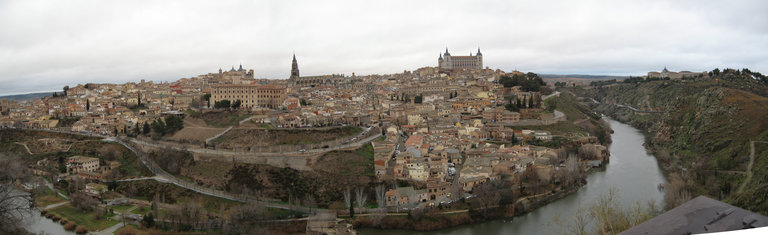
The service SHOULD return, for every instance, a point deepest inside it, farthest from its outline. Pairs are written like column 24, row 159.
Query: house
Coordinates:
column 82, row 164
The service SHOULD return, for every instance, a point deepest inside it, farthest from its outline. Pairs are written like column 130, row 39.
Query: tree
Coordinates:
column 146, row 128
column 207, row 98
column 82, row 201
column 236, row 104
column 139, row 100
column 65, row 90
column 148, row 221
column 11, row 211
column 380, row 195
column 348, row 201
column 418, row 99
column 530, row 102
column 87, row 105
column 360, row 197
column 158, row 126
column 222, row 104
column 173, row 124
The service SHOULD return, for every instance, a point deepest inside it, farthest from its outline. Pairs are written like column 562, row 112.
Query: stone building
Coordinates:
column 448, row 62
column 665, row 73
column 250, row 95
column 311, row 81
column 78, row 164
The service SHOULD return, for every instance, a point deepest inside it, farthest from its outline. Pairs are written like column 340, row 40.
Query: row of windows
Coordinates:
column 245, row 96
column 241, row 91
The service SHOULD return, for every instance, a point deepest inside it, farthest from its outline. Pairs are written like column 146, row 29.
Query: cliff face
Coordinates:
column 701, row 130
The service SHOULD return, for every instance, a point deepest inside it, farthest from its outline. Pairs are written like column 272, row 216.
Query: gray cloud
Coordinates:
column 45, row 45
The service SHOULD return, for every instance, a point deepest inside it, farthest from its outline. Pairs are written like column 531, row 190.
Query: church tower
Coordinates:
column 294, row 69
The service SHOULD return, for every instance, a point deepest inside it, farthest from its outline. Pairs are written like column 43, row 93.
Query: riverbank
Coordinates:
column 632, row 175
column 432, row 221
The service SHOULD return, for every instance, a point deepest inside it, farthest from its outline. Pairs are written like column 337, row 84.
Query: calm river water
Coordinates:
column 632, row 172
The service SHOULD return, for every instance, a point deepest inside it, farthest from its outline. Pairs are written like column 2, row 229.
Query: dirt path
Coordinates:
column 749, row 166
column 51, row 206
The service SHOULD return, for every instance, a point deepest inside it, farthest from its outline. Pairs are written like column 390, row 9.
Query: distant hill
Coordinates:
column 29, row 96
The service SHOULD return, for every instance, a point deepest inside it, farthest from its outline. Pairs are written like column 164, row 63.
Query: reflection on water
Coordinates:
column 632, row 172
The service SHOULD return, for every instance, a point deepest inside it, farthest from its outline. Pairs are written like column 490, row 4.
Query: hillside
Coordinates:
column 701, row 131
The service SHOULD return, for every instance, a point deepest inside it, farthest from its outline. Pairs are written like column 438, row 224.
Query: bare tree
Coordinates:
column 83, row 201
column 381, row 195
column 360, row 197
column 381, row 200
column 573, row 168
column 347, row 198
column 309, row 201
column 14, row 204
column 676, row 191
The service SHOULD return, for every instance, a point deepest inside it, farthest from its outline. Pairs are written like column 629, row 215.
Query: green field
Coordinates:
column 85, row 219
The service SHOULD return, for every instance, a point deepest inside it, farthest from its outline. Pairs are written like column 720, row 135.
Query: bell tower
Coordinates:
column 294, row 69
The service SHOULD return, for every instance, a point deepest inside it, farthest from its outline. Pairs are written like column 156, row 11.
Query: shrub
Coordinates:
column 70, row 226
column 81, row 230
column 49, row 216
column 63, row 222
column 43, row 212
column 55, row 218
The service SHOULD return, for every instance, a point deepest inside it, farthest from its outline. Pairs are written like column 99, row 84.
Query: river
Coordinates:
column 632, row 173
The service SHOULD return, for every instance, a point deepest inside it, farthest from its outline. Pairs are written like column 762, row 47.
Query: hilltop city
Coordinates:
column 456, row 138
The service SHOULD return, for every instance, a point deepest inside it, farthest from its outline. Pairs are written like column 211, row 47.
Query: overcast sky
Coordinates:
column 45, row 45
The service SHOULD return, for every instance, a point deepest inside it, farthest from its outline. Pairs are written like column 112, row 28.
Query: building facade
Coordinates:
column 78, row 164
column 311, row 81
column 251, row 96
column 673, row 75
column 448, row 62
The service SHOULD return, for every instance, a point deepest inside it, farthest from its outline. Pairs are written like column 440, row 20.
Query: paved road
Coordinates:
column 165, row 177
column 260, row 154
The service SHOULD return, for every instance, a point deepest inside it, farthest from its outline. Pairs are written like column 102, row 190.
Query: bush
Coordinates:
column 49, row 216
column 56, row 218
column 43, row 212
column 63, row 222
column 81, row 230
column 70, row 226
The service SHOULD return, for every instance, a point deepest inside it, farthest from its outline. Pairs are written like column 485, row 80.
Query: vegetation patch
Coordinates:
column 85, row 219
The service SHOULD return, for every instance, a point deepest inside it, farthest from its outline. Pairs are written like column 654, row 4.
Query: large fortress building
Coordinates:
column 448, row 62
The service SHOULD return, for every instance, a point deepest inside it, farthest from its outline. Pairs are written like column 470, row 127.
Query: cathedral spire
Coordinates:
column 294, row 67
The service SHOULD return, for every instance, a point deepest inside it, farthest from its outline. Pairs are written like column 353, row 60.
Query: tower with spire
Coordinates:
column 294, row 69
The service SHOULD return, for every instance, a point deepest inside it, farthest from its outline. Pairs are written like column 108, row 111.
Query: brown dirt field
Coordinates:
column 753, row 108
column 269, row 137
column 195, row 131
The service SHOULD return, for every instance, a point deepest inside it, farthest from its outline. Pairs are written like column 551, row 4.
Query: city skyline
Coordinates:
column 45, row 46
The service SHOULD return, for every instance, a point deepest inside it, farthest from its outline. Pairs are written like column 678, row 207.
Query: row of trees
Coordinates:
column 170, row 125
column 527, row 82
column 225, row 104
column 514, row 103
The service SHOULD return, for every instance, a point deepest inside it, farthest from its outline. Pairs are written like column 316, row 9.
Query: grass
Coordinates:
column 222, row 119
column 121, row 208
column 348, row 163
column 85, row 219
column 277, row 213
column 141, row 210
column 48, row 198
